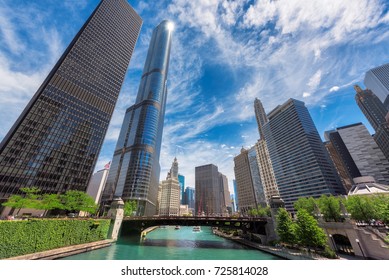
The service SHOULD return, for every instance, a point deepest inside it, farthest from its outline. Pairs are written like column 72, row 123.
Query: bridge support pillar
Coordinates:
column 116, row 213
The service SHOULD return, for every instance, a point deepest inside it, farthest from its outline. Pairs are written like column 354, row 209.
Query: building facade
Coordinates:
column 55, row 142
column 301, row 164
column 169, row 204
column 190, row 198
column 181, row 180
column 375, row 112
column 359, row 152
column 97, row 183
column 377, row 80
column 209, row 195
column 135, row 165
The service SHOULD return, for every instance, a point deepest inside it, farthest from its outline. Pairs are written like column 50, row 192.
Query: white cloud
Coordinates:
column 334, row 88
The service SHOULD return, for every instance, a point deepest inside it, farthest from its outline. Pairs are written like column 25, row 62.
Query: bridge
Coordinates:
column 138, row 224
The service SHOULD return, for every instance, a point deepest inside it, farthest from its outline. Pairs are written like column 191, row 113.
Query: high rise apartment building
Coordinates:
column 169, row 204
column 359, row 152
column 135, row 168
column 301, row 164
column 209, row 196
column 377, row 80
column 250, row 190
column 55, row 142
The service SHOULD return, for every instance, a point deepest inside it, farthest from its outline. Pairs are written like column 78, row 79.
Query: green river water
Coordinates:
column 172, row 244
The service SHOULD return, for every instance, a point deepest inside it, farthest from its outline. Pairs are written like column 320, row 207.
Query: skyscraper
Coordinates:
column 190, row 198
column 359, row 152
column 181, row 180
column 135, row 168
column 225, row 193
column 260, row 115
column 169, row 204
column 209, row 194
column 375, row 113
column 266, row 173
column 377, row 80
column 55, row 142
column 301, row 164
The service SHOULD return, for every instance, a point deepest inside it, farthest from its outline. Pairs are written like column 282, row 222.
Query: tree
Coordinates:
column 29, row 200
column 51, row 202
column 381, row 205
column 361, row 208
column 129, row 207
column 285, row 227
column 307, row 203
column 329, row 206
column 260, row 211
column 74, row 200
column 308, row 231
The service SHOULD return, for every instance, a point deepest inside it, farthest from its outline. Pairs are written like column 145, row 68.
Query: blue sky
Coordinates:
column 224, row 54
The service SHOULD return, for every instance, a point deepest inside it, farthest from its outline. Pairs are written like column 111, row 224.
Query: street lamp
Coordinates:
column 333, row 244
column 360, row 248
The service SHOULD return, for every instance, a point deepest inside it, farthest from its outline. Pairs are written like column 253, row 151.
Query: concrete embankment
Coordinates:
column 65, row 251
column 146, row 231
column 284, row 253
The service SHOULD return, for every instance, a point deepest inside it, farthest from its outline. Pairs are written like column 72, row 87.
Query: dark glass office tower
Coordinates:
column 375, row 112
column 134, row 172
column 55, row 142
column 301, row 164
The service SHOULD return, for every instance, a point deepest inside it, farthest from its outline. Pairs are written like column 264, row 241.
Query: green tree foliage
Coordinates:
column 285, row 227
column 51, row 202
column 361, row 208
column 329, row 206
column 381, row 204
column 306, row 203
column 260, row 211
column 308, row 231
column 129, row 207
column 29, row 200
column 74, row 200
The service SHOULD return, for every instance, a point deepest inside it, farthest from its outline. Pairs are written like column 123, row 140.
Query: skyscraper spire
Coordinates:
column 135, row 169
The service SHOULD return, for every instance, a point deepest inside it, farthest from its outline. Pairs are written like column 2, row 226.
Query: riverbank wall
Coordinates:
column 281, row 252
column 65, row 251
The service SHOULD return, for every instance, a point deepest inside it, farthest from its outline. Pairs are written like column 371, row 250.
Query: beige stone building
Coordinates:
column 169, row 203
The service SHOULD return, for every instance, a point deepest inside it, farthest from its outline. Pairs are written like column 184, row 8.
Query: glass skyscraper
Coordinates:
column 55, row 142
column 377, row 80
column 181, row 181
column 375, row 112
column 301, row 164
column 135, row 169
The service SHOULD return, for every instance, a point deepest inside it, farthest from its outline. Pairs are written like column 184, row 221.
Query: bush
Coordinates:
column 328, row 253
column 36, row 235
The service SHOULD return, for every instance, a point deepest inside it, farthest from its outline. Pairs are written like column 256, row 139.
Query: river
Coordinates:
column 175, row 244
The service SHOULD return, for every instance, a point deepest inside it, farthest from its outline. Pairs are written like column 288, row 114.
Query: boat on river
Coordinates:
column 177, row 227
column 196, row 228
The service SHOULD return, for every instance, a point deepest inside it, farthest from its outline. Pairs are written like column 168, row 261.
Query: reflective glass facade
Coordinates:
column 301, row 164
column 55, row 142
column 134, row 173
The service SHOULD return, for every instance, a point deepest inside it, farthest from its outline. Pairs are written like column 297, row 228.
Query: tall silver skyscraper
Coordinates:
column 55, row 142
column 135, row 169
column 301, row 164
column 377, row 80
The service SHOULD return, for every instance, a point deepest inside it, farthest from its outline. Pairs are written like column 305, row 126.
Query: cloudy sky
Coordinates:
column 224, row 54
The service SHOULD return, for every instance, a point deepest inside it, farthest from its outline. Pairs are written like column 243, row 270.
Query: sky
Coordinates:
column 224, row 54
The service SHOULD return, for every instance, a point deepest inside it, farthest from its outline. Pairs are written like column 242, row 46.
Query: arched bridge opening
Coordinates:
column 138, row 224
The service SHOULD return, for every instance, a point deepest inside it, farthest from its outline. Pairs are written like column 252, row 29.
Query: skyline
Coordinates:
column 235, row 55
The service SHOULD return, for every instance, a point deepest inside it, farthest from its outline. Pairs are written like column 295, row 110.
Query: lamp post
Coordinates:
column 333, row 244
column 360, row 248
